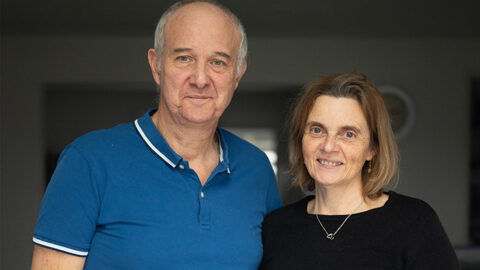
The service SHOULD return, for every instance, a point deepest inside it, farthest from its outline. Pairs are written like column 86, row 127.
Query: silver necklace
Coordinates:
column 331, row 236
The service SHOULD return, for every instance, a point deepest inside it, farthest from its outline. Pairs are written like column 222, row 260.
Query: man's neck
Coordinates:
column 186, row 139
column 195, row 143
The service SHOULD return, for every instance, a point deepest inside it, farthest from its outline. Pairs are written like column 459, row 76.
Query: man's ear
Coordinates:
column 153, row 62
column 244, row 68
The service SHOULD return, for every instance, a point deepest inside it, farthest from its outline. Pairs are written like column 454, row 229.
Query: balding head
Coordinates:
column 188, row 7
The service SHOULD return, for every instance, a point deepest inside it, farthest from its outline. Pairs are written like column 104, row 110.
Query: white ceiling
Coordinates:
column 455, row 18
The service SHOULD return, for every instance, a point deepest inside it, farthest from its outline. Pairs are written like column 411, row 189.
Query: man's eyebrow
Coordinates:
column 177, row 50
column 223, row 55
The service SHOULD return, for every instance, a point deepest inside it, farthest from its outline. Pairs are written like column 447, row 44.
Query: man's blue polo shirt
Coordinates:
column 123, row 198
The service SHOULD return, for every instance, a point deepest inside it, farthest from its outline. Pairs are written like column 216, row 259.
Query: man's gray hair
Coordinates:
column 160, row 39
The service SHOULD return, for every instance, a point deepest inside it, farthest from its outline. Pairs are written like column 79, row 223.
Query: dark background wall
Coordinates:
column 430, row 49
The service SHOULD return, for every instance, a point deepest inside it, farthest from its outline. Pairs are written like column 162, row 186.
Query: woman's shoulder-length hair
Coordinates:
column 357, row 86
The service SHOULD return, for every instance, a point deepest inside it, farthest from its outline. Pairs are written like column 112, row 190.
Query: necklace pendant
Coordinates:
column 330, row 236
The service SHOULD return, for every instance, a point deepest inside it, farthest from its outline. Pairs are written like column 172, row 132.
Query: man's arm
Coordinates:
column 49, row 259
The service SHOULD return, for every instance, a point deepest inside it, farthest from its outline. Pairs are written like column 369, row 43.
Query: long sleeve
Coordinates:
column 430, row 247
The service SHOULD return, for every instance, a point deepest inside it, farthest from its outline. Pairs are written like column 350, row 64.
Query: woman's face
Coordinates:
column 336, row 142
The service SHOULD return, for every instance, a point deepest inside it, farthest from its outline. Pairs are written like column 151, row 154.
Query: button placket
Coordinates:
column 204, row 217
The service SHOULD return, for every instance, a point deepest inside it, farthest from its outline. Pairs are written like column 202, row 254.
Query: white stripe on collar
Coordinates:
column 160, row 154
column 57, row 247
column 221, row 150
column 144, row 137
column 221, row 153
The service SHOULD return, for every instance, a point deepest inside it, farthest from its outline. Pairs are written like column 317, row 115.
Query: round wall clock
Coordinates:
column 400, row 108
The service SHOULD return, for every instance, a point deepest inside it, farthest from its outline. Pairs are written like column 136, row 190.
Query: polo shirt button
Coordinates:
column 201, row 194
column 181, row 166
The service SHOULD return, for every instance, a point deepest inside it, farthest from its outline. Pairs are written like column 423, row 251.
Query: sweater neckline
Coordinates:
column 304, row 202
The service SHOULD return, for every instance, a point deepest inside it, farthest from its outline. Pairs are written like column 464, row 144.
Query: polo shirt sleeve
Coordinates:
column 69, row 209
column 273, row 196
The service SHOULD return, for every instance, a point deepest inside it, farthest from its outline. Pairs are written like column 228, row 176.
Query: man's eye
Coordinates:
column 183, row 58
column 218, row 63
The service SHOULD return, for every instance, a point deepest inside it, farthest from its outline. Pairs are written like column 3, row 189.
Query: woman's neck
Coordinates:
column 336, row 200
column 343, row 200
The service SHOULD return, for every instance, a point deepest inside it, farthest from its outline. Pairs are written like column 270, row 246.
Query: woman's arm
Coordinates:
column 432, row 248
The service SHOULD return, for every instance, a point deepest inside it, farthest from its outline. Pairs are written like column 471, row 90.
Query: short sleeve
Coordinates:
column 273, row 196
column 69, row 209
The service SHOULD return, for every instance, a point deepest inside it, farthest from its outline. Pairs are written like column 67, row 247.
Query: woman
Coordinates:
column 342, row 147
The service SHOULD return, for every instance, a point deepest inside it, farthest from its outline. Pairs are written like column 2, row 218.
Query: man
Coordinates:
column 171, row 190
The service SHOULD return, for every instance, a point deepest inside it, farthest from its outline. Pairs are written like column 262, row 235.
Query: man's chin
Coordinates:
column 200, row 117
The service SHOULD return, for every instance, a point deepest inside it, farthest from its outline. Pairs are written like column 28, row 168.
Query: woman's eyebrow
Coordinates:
column 315, row 123
column 354, row 128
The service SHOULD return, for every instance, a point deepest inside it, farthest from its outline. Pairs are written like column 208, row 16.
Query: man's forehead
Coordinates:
column 201, row 25
column 181, row 50
column 195, row 10
column 200, row 14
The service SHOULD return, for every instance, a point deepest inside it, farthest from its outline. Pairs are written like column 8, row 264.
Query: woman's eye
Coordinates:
column 316, row 130
column 349, row 135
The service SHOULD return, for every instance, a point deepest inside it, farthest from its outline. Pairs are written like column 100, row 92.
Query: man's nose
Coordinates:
column 200, row 76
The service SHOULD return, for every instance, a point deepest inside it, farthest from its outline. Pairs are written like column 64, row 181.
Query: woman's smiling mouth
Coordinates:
column 329, row 163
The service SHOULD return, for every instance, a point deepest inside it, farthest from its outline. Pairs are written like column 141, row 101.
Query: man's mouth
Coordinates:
column 198, row 97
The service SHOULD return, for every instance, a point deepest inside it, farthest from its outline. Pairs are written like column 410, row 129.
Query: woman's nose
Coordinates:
column 329, row 144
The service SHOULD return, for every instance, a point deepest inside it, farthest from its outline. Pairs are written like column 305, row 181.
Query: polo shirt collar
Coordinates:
column 224, row 160
column 155, row 141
